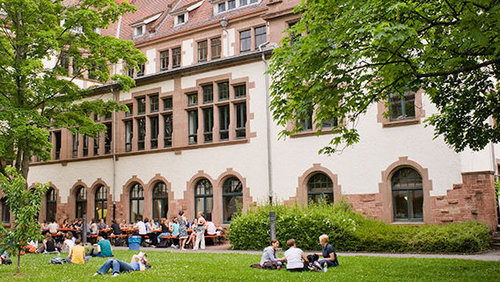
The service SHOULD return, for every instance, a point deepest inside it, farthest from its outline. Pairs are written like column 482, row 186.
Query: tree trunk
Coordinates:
column 18, row 261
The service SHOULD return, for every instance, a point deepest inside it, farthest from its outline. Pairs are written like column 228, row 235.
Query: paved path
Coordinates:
column 493, row 255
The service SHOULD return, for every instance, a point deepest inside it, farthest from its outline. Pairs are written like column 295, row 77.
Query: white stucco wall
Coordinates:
column 187, row 52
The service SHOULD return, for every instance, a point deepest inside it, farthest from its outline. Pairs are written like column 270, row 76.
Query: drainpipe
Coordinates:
column 113, row 138
column 268, row 126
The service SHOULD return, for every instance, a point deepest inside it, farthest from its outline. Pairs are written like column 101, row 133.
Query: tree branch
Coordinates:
column 459, row 70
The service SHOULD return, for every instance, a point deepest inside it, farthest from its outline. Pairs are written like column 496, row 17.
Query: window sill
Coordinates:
column 311, row 133
column 408, row 223
column 405, row 122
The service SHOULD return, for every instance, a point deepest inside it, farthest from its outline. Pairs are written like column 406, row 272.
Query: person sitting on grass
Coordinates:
column 103, row 248
column 269, row 258
column 68, row 242
column 49, row 245
column 295, row 258
column 77, row 254
column 328, row 253
column 138, row 263
column 4, row 258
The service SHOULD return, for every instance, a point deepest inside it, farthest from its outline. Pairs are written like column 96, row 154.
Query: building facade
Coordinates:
column 199, row 135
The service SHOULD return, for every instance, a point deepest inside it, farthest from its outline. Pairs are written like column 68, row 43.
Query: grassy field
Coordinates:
column 189, row 266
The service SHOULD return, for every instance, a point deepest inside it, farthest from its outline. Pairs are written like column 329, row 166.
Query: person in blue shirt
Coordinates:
column 138, row 262
column 328, row 253
column 4, row 258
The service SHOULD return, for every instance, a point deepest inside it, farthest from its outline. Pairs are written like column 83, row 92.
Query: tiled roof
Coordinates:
column 164, row 25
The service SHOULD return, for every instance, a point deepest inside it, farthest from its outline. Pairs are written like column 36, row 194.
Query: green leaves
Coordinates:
column 24, row 205
column 39, row 41
column 352, row 54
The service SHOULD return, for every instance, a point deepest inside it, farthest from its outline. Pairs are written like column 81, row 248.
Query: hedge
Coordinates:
column 351, row 231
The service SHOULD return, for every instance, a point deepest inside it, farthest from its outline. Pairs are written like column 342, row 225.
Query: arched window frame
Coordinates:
column 80, row 202
column 206, row 197
column 51, row 204
column 162, row 197
column 412, row 185
column 137, row 195
column 230, row 196
column 101, row 202
column 327, row 187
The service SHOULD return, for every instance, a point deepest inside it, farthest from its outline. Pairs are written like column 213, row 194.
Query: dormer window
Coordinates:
column 181, row 19
column 139, row 30
column 221, row 6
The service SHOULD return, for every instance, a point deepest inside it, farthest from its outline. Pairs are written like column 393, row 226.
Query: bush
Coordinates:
column 350, row 231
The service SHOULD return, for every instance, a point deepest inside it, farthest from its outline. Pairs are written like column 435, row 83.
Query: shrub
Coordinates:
column 350, row 231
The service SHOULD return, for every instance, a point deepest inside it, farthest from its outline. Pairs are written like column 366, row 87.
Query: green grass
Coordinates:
column 191, row 266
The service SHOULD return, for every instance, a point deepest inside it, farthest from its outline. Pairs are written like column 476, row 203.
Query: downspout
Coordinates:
column 113, row 138
column 268, row 126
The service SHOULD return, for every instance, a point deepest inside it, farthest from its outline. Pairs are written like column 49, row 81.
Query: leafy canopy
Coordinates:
column 343, row 56
column 40, row 42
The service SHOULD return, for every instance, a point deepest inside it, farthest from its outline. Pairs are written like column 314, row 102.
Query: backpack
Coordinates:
column 270, row 265
column 57, row 260
column 119, row 242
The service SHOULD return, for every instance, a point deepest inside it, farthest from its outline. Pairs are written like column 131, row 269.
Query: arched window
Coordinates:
column 5, row 211
column 136, row 202
column 81, row 202
column 232, row 195
column 203, row 198
column 101, row 203
column 51, row 205
column 407, row 195
column 160, row 200
column 320, row 189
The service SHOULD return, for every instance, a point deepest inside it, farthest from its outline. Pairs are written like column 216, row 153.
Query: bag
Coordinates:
column 57, row 260
column 164, row 243
column 119, row 242
column 270, row 265
column 256, row 265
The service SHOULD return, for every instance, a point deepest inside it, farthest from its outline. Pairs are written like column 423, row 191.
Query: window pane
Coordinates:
column 223, row 88
column 320, row 182
column 224, row 122
column 260, row 36
column 108, row 135
column 130, row 110
column 140, row 72
column 167, row 123
column 400, row 201
column 208, row 123
column 176, row 57
column 222, row 7
column 208, row 93
column 154, row 103
column 5, row 210
column 241, row 120
column 167, row 103
column 192, row 99
column 215, row 48
column 245, row 40
column 416, row 204
column 128, row 135
column 193, row 127
column 75, row 145
column 202, row 51
column 232, row 205
column 141, row 126
column 141, row 105
column 164, row 60
column 240, row 91
column 231, row 4
column 154, row 131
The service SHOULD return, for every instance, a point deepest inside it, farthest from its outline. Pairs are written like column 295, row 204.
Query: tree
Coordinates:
column 24, row 205
column 40, row 41
column 44, row 47
column 343, row 56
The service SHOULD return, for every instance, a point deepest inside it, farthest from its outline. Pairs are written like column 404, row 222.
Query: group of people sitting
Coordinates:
column 296, row 260
column 174, row 232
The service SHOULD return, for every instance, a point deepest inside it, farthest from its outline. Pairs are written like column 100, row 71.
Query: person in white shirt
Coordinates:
column 211, row 229
column 68, row 242
column 295, row 258
column 141, row 228
column 53, row 226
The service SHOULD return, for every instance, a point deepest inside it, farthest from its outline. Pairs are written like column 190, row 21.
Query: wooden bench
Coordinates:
column 217, row 239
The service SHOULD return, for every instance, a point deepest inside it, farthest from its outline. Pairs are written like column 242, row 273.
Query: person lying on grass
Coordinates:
column 138, row 263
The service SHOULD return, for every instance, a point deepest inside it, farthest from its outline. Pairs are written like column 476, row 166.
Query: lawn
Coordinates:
column 189, row 266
